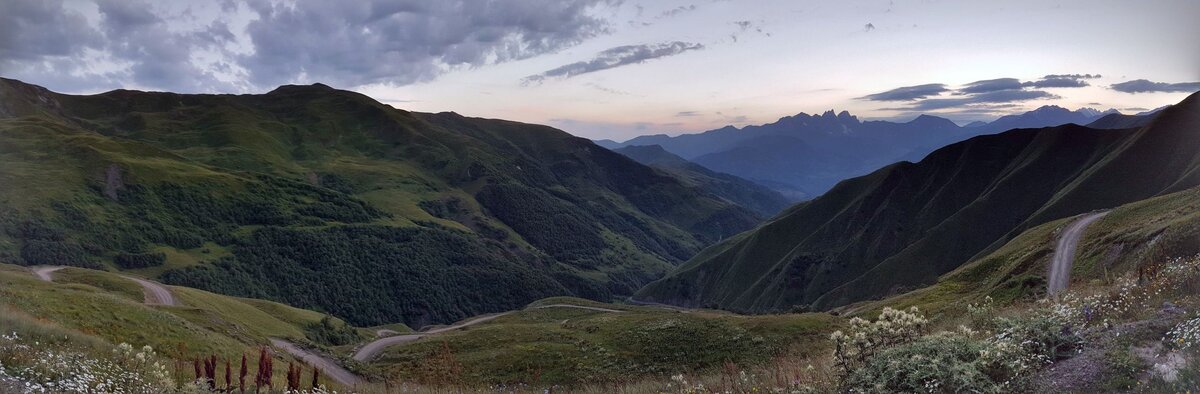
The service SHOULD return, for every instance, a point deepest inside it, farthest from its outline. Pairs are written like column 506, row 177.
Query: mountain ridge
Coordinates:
column 814, row 152
column 760, row 199
column 905, row 224
column 280, row 196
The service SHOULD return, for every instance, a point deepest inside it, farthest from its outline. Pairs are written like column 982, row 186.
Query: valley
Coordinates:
column 534, row 259
column 599, row 197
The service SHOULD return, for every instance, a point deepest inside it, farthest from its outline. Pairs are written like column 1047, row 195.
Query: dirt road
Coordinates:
column 371, row 349
column 44, row 272
column 1064, row 252
column 329, row 368
column 156, row 293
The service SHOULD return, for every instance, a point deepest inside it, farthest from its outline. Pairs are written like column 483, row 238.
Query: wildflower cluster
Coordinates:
column 1130, row 295
column 43, row 368
column 1185, row 335
column 864, row 338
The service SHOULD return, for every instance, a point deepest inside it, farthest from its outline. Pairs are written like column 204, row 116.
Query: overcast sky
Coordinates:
column 616, row 69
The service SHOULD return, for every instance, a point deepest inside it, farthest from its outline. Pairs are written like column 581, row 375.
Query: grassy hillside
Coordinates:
column 563, row 346
column 755, row 197
column 303, row 192
column 904, row 225
column 103, row 309
column 1130, row 236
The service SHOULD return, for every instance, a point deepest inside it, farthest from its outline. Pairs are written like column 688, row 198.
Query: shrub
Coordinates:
column 863, row 339
column 329, row 332
column 139, row 260
column 41, row 252
column 936, row 364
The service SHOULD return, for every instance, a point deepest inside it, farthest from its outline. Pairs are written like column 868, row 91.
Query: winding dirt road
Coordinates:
column 156, row 293
column 1064, row 252
column 329, row 368
column 373, row 348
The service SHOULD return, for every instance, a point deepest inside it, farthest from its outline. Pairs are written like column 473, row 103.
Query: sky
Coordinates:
column 617, row 69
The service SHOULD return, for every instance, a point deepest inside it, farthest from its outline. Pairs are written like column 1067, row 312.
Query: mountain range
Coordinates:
column 803, row 156
column 755, row 197
column 328, row 200
column 902, row 226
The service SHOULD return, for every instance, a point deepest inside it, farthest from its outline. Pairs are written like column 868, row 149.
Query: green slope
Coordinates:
column 574, row 347
column 329, row 200
column 906, row 224
column 1131, row 236
column 755, row 197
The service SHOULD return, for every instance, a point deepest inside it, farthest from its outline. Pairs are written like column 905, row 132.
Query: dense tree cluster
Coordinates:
column 375, row 274
column 139, row 260
column 545, row 221
column 331, row 333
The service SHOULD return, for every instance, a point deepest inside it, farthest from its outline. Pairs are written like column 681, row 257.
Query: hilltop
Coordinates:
column 327, row 199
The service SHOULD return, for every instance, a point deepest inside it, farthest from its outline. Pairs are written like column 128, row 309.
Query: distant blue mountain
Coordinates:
column 813, row 152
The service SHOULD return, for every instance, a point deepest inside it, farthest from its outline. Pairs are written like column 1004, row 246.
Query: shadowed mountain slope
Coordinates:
column 755, row 197
column 905, row 224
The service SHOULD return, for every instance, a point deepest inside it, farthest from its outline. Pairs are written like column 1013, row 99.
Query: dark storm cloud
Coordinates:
column 615, row 57
column 1146, row 86
column 908, row 93
column 116, row 43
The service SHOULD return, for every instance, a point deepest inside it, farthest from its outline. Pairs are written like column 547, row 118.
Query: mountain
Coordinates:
column 1049, row 115
column 814, row 152
column 1121, row 121
column 328, row 200
column 807, row 152
column 760, row 199
column 905, row 224
column 608, row 144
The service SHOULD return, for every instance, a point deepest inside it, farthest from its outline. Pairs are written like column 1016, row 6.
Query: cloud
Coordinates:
column 1072, row 76
column 1057, row 83
column 908, row 93
column 356, row 43
column 677, row 10
column 1049, row 81
column 990, row 85
column 987, row 96
column 246, row 45
column 73, row 47
column 615, row 57
column 687, row 113
column 1146, row 86
column 1001, row 96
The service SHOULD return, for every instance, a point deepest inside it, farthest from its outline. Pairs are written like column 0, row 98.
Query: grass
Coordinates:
column 567, row 346
column 204, row 172
column 108, row 282
column 1147, row 230
column 183, row 258
column 99, row 309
